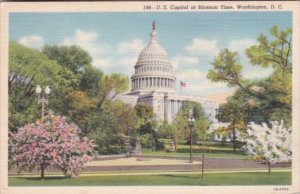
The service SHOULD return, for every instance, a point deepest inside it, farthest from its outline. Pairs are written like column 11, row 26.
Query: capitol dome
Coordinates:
column 153, row 70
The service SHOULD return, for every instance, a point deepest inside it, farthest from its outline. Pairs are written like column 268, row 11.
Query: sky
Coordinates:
column 192, row 40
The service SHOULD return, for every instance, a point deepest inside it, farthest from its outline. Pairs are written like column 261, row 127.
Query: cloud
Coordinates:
column 32, row 41
column 220, row 97
column 202, row 46
column 131, row 47
column 184, row 60
column 249, row 71
column 100, row 62
column 206, row 88
column 127, row 61
column 240, row 45
column 190, row 74
column 257, row 72
column 86, row 40
column 127, row 53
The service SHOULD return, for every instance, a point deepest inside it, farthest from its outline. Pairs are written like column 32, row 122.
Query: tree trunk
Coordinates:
column 202, row 174
column 175, row 144
column 233, row 137
column 43, row 171
column 269, row 167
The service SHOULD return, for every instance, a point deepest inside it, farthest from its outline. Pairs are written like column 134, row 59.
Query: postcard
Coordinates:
column 150, row 97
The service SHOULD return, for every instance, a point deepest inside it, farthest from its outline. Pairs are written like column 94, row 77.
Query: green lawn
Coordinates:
column 244, row 178
column 216, row 149
column 218, row 154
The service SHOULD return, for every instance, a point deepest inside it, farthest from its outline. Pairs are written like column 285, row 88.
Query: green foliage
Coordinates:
column 111, row 124
column 91, row 81
column 72, row 57
column 147, row 126
column 258, row 100
column 178, row 131
column 27, row 69
column 147, row 141
column 226, row 68
column 276, row 53
column 79, row 108
column 112, row 85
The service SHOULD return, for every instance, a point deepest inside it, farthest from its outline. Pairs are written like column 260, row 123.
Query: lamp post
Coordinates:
column 191, row 121
column 43, row 98
column 217, row 114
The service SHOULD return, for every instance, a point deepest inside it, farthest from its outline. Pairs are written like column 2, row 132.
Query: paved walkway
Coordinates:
column 158, row 164
column 180, row 163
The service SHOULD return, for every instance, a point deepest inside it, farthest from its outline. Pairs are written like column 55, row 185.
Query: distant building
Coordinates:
column 154, row 83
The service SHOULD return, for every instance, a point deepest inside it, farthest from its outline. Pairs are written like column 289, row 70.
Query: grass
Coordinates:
column 216, row 154
column 215, row 150
column 242, row 178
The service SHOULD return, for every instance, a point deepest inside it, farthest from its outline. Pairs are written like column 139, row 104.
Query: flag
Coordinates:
column 182, row 84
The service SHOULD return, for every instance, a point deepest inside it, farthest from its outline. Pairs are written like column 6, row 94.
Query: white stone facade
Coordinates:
column 154, row 83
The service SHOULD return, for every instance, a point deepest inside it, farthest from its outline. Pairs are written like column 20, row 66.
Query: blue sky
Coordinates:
column 192, row 39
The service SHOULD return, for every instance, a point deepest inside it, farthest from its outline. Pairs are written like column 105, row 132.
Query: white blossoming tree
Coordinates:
column 271, row 145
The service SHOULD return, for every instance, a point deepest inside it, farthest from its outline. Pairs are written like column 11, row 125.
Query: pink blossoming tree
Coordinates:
column 50, row 143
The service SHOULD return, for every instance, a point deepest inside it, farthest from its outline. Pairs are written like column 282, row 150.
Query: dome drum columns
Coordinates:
column 152, row 82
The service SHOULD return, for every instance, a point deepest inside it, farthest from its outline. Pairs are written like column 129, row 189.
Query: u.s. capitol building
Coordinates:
column 154, row 83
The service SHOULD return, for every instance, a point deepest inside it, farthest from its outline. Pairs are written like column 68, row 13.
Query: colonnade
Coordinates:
column 172, row 107
column 150, row 82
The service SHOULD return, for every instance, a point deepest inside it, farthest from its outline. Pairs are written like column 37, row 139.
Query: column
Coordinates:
column 170, row 109
column 140, row 82
column 132, row 81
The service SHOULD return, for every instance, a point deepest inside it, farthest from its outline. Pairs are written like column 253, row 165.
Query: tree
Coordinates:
column 147, row 125
column 112, row 85
column 276, row 53
column 236, row 112
column 178, row 130
column 27, row 69
column 72, row 57
column 270, row 144
column 80, row 107
column 111, row 123
column 271, row 95
column 50, row 143
column 91, row 81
